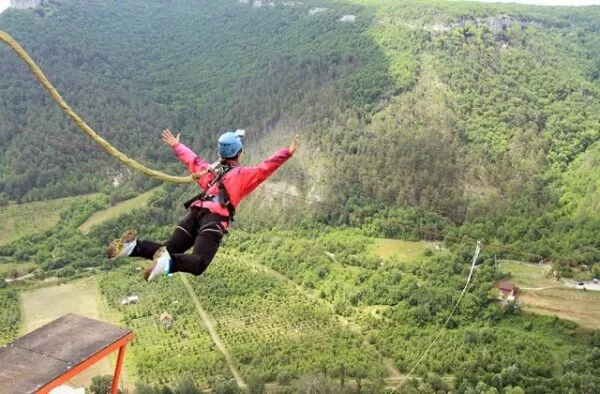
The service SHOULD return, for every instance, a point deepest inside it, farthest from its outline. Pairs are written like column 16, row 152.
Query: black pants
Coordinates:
column 200, row 228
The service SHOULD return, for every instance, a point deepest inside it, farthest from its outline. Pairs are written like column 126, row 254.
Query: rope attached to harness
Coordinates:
column 107, row 147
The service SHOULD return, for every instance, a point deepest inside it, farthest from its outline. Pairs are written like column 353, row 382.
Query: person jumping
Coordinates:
column 225, row 183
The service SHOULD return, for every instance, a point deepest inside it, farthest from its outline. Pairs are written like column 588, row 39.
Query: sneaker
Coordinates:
column 161, row 264
column 123, row 246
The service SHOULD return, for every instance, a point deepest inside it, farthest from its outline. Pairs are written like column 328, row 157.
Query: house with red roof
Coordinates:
column 508, row 291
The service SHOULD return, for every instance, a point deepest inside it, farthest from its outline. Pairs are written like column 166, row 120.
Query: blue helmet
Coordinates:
column 230, row 144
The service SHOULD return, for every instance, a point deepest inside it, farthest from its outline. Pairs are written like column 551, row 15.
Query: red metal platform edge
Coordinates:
column 76, row 370
column 56, row 352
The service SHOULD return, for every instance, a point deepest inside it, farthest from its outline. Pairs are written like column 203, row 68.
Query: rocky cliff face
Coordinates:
column 25, row 3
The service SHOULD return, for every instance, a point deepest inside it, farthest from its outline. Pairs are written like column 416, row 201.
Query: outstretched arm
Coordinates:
column 257, row 175
column 184, row 154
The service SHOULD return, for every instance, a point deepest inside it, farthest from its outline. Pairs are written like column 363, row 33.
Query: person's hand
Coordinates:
column 294, row 145
column 169, row 139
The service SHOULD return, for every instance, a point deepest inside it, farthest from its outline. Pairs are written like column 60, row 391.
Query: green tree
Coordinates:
column 225, row 386
column 101, row 384
column 255, row 384
column 186, row 386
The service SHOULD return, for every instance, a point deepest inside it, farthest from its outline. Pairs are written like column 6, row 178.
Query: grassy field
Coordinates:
column 40, row 306
column 10, row 268
column 45, row 304
column 582, row 307
column 19, row 220
column 116, row 211
column 403, row 250
column 544, row 295
column 528, row 275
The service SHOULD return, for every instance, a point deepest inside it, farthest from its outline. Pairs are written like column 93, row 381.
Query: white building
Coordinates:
column 131, row 300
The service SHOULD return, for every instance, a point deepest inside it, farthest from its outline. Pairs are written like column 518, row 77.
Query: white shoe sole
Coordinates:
column 161, row 267
column 127, row 249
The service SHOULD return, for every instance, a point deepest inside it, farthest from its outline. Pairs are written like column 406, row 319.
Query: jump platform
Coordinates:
column 53, row 354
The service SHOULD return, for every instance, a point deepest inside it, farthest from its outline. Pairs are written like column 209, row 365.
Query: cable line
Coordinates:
column 477, row 250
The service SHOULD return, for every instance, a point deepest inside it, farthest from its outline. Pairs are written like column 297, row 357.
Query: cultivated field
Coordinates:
column 41, row 306
column 115, row 211
column 582, row 307
column 269, row 325
column 19, row 220
column 527, row 275
column 163, row 350
column 544, row 295
column 265, row 324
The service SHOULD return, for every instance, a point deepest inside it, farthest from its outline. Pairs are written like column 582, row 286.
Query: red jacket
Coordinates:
column 239, row 182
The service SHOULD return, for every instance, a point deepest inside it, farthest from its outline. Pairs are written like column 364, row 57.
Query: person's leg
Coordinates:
column 181, row 239
column 205, row 248
column 179, row 242
column 145, row 249
column 210, row 233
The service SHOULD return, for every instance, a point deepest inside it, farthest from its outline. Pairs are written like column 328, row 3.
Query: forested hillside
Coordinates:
column 477, row 112
column 222, row 64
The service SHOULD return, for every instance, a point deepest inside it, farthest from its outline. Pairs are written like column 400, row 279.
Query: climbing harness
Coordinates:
column 219, row 169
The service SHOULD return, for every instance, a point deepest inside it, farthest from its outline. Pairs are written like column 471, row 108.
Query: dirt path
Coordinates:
column 394, row 372
column 213, row 333
column 29, row 275
column 539, row 288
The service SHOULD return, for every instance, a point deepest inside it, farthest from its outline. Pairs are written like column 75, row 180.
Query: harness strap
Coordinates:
column 224, row 200
column 223, row 196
